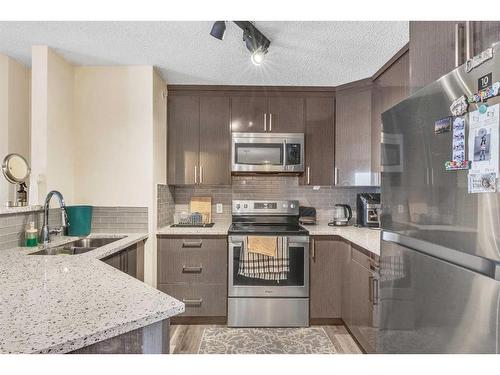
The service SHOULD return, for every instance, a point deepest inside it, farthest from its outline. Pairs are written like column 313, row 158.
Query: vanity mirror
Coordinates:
column 16, row 170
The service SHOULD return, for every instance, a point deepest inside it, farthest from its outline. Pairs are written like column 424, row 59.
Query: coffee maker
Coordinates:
column 368, row 209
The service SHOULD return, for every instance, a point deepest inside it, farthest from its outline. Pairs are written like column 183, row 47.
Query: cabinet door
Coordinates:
column 345, row 264
column 286, row 114
column 215, row 138
column 325, row 276
column 485, row 33
column 183, row 139
column 319, row 142
column 432, row 50
column 391, row 87
column 361, row 324
column 353, row 137
column 114, row 261
column 247, row 113
column 132, row 261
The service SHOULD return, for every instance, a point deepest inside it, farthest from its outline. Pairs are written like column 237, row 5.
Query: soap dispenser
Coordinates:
column 31, row 235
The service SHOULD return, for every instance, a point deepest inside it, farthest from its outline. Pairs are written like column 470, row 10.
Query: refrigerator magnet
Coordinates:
column 459, row 106
column 455, row 165
column 442, row 125
column 482, row 183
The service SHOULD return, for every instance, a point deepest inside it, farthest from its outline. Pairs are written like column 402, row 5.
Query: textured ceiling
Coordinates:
column 301, row 53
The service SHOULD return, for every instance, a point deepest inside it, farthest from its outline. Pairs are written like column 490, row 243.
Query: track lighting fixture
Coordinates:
column 218, row 29
column 255, row 41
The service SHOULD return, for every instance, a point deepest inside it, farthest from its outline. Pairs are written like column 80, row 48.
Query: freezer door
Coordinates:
column 428, row 305
column 419, row 198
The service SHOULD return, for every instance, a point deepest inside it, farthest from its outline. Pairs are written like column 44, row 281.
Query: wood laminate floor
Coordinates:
column 186, row 339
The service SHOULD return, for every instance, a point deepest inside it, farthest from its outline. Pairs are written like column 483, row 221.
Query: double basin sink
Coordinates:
column 80, row 246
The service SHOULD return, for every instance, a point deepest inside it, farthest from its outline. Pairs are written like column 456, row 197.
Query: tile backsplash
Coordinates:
column 104, row 220
column 264, row 187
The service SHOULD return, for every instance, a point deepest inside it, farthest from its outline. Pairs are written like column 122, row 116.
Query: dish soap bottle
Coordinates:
column 31, row 235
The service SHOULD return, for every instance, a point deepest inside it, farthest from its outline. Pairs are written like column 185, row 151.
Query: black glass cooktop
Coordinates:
column 271, row 229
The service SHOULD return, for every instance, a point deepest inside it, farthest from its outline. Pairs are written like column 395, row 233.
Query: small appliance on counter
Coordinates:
column 368, row 209
column 200, row 216
column 342, row 213
column 307, row 215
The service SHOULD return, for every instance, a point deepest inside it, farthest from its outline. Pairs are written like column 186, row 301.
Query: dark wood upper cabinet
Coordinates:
column 183, row 139
column 286, row 114
column 389, row 88
column 319, row 142
column 262, row 113
column 437, row 47
column 215, row 141
column 353, row 135
column 485, row 33
column 248, row 113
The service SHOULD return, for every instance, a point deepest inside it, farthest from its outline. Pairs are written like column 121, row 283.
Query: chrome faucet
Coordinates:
column 46, row 232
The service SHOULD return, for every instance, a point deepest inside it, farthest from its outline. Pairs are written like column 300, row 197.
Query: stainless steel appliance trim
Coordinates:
column 246, row 207
column 468, row 40
column 269, row 291
column 267, row 312
column 471, row 262
column 278, row 138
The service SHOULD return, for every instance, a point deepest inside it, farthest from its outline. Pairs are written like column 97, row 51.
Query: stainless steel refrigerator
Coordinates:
column 439, row 287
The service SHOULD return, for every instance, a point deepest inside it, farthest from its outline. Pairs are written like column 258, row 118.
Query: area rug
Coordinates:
column 312, row 340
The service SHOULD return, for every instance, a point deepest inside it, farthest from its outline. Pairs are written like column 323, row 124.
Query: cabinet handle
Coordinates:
column 468, row 40
column 270, row 122
column 458, row 50
column 192, row 302
column 192, row 269
column 195, row 175
column 375, row 291
column 336, row 176
column 370, row 288
column 308, row 175
column 265, row 122
column 313, row 249
column 192, row 243
column 201, row 174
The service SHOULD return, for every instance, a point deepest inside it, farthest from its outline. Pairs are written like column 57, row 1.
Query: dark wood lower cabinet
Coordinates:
column 129, row 260
column 326, row 278
column 151, row 339
column 193, row 269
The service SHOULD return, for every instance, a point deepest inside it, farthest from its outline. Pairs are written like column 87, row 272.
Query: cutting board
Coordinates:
column 202, row 205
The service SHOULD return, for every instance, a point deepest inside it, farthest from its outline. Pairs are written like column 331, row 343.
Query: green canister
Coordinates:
column 80, row 220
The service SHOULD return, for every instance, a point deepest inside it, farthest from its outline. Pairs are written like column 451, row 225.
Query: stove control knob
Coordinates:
column 292, row 205
column 245, row 205
column 238, row 206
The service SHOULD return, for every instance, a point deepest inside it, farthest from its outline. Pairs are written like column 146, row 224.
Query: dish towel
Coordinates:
column 263, row 245
column 264, row 267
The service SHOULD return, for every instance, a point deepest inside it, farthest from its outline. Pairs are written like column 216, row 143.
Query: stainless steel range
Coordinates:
column 268, row 291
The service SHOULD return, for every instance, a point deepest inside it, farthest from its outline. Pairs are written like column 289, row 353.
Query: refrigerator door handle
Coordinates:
column 474, row 263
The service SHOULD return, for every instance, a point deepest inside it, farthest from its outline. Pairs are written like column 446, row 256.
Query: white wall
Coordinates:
column 52, row 129
column 14, row 116
column 113, row 118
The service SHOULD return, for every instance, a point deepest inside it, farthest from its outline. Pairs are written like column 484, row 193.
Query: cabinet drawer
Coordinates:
column 200, row 299
column 192, row 261
column 364, row 258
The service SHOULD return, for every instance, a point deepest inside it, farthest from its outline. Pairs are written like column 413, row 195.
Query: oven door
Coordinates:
column 257, row 153
column 296, row 284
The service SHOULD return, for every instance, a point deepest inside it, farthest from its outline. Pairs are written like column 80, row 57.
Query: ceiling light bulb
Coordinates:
column 257, row 57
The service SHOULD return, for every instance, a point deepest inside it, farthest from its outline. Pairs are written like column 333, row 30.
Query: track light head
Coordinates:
column 218, row 29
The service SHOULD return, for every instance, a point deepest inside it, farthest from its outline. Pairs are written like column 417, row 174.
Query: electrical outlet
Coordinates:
column 401, row 209
column 219, row 208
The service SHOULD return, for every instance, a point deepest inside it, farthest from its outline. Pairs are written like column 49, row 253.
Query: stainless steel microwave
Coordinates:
column 268, row 152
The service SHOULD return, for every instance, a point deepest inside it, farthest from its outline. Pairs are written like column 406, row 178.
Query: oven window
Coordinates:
column 259, row 153
column 295, row 277
column 391, row 155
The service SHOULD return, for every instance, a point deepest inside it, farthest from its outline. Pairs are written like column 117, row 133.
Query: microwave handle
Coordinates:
column 284, row 155
column 265, row 122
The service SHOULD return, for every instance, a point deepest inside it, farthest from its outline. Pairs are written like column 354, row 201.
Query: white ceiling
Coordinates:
column 301, row 53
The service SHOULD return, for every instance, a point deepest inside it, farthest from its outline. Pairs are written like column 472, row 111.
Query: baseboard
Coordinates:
column 198, row 320
column 326, row 322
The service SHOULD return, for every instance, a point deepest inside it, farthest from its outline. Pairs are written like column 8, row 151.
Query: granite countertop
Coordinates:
column 364, row 237
column 220, row 228
column 60, row 303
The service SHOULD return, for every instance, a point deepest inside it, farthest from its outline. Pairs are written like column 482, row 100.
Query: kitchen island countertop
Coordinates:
column 60, row 303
